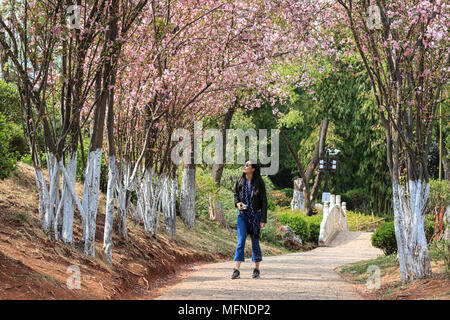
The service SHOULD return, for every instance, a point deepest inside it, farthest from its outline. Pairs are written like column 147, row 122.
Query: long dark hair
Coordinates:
column 256, row 178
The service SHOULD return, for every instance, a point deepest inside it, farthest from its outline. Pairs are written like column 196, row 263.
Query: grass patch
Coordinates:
column 359, row 270
column 21, row 217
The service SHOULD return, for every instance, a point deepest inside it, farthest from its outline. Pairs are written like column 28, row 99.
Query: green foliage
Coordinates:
column 10, row 102
column 358, row 221
column 204, row 188
column 279, row 198
column 297, row 222
column 270, row 232
column 384, row 238
column 314, row 227
column 21, row 217
column 17, row 143
column 342, row 93
column 8, row 157
column 356, row 199
column 439, row 194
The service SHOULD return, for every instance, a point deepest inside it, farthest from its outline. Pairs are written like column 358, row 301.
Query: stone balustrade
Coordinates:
column 334, row 220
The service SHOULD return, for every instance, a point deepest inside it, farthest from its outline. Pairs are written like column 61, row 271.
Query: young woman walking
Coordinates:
column 251, row 200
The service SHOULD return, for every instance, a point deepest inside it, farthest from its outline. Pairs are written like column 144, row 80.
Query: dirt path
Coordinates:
column 306, row 275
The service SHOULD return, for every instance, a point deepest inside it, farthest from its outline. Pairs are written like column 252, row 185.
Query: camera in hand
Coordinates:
column 244, row 206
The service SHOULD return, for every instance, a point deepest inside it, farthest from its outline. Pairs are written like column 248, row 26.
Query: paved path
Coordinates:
column 306, row 275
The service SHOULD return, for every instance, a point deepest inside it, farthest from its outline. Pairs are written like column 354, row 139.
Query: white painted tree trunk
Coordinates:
column 409, row 220
column 124, row 193
column 298, row 200
column 41, row 186
column 52, row 203
column 68, row 207
column 149, row 196
column 109, row 215
column 187, row 197
column 169, row 206
column 90, row 200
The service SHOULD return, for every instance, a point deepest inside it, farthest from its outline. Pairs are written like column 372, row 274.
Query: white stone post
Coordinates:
column 332, row 201
column 338, row 199
column 326, row 208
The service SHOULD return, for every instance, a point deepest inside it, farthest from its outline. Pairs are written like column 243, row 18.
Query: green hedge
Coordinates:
column 307, row 228
column 297, row 222
column 8, row 157
column 356, row 199
column 384, row 238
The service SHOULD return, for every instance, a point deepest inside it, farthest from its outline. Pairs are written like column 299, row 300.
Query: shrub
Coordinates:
column 8, row 158
column 17, row 143
column 204, row 187
column 279, row 198
column 10, row 102
column 358, row 221
column 270, row 232
column 314, row 227
column 297, row 222
column 384, row 238
column 357, row 199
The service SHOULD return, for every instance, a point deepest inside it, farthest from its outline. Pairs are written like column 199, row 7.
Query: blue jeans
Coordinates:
column 242, row 235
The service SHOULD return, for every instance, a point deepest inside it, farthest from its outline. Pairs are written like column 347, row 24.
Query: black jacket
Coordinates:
column 258, row 197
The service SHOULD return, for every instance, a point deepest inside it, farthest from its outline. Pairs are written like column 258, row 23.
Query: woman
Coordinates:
column 250, row 198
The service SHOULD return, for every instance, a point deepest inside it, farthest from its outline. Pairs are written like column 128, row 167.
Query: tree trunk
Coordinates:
column 68, row 208
column 215, row 207
column 90, row 199
column 187, row 200
column 216, row 211
column 109, row 213
column 306, row 175
column 217, row 168
column 445, row 164
column 50, row 212
column 168, row 198
column 409, row 220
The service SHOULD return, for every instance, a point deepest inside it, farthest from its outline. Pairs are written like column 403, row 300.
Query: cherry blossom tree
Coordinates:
column 404, row 47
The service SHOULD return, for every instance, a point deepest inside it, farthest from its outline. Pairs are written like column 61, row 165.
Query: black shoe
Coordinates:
column 236, row 274
column 255, row 273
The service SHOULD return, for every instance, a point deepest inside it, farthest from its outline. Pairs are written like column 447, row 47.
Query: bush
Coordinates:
column 297, row 222
column 204, row 187
column 8, row 158
column 356, row 199
column 314, row 227
column 279, row 198
column 270, row 232
column 384, row 238
column 10, row 102
column 17, row 143
column 358, row 221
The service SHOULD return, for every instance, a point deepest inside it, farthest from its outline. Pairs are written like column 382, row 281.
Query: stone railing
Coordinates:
column 334, row 220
